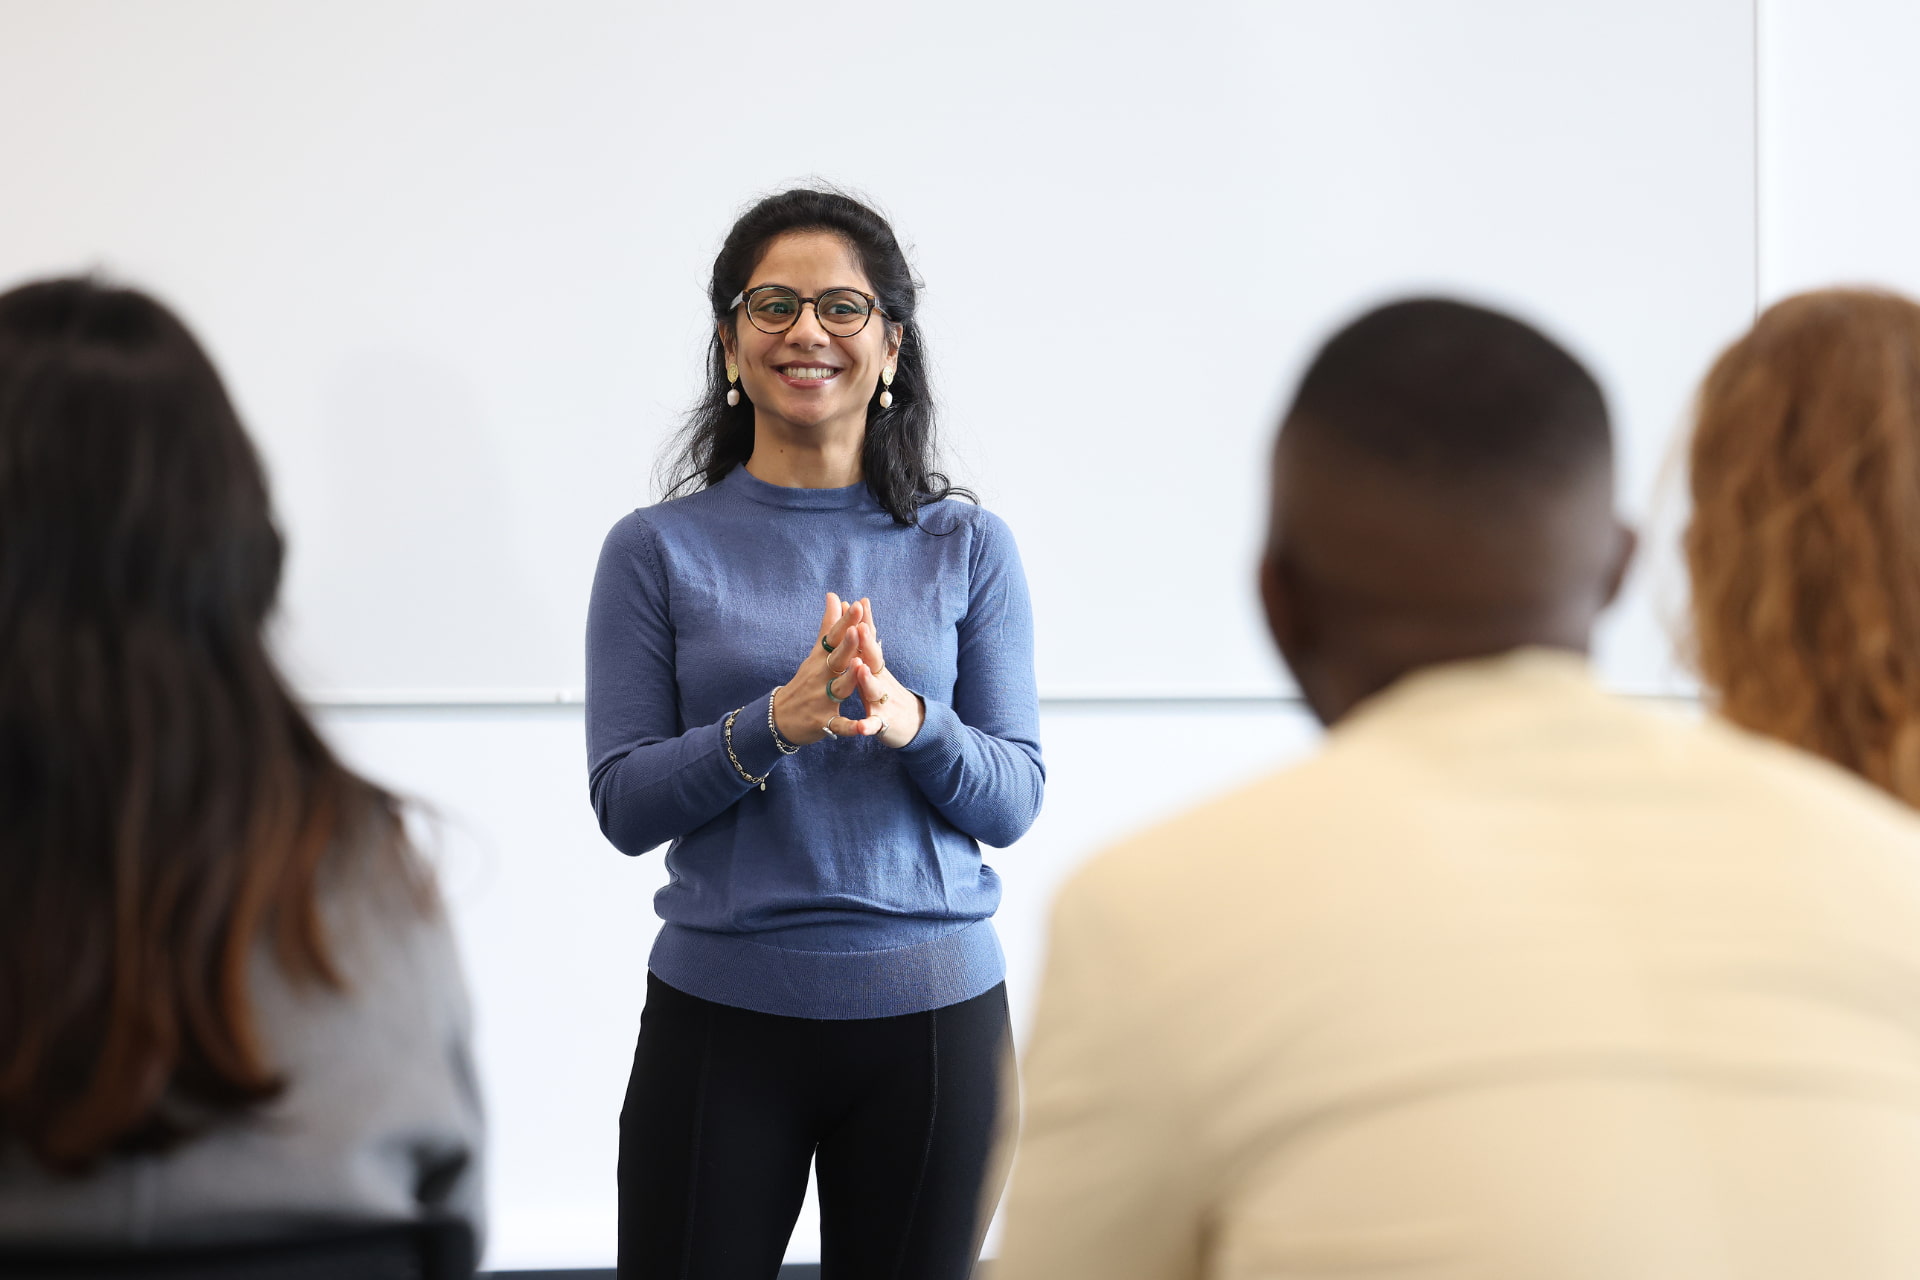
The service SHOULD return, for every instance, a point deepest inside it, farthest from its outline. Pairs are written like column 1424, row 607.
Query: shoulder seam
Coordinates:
column 643, row 544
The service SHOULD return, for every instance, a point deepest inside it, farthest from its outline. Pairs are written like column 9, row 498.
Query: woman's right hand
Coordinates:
column 803, row 709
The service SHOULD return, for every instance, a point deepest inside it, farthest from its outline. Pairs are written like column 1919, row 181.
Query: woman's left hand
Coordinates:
column 897, row 706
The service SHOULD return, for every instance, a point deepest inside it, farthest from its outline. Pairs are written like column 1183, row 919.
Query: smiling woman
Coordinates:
column 827, row 990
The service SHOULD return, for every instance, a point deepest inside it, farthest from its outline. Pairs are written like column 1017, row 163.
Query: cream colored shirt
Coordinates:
column 1515, row 979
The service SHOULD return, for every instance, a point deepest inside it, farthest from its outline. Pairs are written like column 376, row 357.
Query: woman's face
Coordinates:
column 807, row 379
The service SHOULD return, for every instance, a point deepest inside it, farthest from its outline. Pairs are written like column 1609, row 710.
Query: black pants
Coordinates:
column 727, row 1109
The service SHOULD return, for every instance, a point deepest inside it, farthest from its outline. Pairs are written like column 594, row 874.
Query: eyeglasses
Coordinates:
column 774, row 308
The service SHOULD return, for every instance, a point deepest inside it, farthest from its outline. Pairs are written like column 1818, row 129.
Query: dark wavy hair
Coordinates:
column 898, row 457
column 166, row 807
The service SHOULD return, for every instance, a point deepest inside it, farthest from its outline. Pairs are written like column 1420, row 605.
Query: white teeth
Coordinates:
column 798, row 371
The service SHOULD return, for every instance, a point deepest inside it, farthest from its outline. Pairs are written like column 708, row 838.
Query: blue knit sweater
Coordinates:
column 852, row 886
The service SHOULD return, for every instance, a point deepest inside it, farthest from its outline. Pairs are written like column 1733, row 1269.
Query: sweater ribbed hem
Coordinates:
column 732, row 969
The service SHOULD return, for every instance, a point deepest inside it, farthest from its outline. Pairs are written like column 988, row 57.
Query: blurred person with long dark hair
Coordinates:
column 1804, row 539
column 827, row 989
column 1515, row 978
column 229, row 1001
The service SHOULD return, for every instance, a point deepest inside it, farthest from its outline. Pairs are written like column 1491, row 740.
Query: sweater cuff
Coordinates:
column 752, row 739
column 941, row 742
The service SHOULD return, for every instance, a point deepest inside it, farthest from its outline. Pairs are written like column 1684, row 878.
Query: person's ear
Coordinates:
column 896, row 334
column 1626, row 543
column 725, row 328
column 1276, row 598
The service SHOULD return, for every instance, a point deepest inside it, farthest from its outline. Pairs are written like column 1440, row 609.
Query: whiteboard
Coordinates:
column 451, row 258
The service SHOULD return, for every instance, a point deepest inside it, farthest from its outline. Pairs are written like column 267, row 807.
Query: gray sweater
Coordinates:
column 380, row 1120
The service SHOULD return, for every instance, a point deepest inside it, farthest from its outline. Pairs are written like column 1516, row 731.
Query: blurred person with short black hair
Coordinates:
column 1515, row 978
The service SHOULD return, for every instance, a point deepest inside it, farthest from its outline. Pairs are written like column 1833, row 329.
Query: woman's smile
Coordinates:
column 805, row 376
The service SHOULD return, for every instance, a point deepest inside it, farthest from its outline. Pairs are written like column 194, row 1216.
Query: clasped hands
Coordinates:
column 846, row 660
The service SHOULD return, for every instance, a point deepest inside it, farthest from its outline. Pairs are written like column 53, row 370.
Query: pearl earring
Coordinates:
column 886, row 397
column 733, row 376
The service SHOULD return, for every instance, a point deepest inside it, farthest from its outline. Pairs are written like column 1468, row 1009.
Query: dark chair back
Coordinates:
column 431, row 1250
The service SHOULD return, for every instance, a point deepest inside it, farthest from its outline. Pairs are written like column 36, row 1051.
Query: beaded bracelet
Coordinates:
column 786, row 748
column 726, row 732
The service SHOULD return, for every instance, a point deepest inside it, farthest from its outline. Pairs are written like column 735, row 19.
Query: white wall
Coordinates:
column 1840, row 145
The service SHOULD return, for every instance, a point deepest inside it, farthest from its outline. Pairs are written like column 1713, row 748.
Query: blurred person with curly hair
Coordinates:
column 1804, row 544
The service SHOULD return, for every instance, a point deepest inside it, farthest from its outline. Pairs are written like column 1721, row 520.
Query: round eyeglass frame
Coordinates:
column 873, row 307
